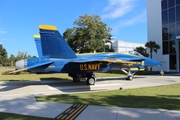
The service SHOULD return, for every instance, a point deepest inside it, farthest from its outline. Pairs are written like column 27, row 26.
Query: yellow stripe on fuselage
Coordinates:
column 47, row 27
column 137, row 69
column 36, row 36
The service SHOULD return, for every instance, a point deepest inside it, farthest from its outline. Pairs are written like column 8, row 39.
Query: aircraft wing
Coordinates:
column 110, row 61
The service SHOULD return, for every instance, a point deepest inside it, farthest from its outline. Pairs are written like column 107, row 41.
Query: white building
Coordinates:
column 163, row 21
column 121, row 46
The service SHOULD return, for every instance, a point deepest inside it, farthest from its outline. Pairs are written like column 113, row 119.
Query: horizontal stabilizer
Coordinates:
column 33, row 67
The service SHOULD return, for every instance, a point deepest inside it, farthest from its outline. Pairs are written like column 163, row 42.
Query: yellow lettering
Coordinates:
column 89, row 67
column 92, row 66
column 99, row 66
column 81, row 66
column 95, row 66
column 85, row 67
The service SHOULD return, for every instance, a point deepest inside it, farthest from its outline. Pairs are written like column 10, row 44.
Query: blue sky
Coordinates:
column 19, row 19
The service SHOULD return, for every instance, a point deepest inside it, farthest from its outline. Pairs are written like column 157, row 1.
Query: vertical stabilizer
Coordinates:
column 37, row 40
column 53, row 44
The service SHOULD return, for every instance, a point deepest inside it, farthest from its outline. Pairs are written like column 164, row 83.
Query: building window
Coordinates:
column 172, row 31
column 165, row 33
column 172, row 61
column 177, row 28
column 171, row 15
column 171, row 3
column 172, row 46
column 177, row 2
column 164, row 4
column 164, row 17
column 178, row 13
column 165, row 47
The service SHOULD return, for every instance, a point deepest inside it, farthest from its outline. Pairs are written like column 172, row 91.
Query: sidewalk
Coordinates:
column 27, row 105
column 19, row 98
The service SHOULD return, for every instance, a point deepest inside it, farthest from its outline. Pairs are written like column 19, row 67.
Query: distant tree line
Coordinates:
column 10, row 61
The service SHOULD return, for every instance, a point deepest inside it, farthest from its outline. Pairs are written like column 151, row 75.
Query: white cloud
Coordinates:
column 118, row 8
column 3, row 32
column 137, row 19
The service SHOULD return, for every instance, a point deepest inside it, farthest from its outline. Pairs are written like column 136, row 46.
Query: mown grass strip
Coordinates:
column 11, row 116
column 161, row 97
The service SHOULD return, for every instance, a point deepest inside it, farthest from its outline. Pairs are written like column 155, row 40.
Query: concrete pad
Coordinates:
column 98, row 113
column 176, row 114
column 144, row 114
column 27, row 105
column 120, row 113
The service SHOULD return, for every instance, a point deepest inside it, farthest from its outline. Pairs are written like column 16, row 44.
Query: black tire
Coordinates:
column 129, row 78
column 91, row 81
column 76, row 79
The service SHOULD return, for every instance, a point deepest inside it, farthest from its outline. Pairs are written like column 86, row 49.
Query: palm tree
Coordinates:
column 142, row 51
column 152, row 46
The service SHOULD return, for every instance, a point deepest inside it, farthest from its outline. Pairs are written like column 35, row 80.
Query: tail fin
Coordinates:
column 37, row 40
column 53, row 44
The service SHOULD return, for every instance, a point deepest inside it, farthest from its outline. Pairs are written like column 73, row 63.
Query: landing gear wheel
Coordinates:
column 129, row 78
column 76, row 79
column 91, row 81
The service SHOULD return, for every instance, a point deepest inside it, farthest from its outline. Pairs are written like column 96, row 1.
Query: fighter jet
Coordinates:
column 56, row 56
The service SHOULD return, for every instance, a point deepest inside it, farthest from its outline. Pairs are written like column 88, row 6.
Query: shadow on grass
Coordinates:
column 11, row 116
column 155, row 102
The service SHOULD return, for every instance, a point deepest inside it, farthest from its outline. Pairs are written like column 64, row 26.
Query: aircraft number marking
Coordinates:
column 90, row 66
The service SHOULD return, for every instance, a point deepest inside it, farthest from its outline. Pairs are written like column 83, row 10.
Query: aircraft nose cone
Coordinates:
column 158, row 63
column 151, row 62
column 21, row 64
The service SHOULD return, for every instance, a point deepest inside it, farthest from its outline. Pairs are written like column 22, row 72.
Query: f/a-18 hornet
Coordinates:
column 56, row 56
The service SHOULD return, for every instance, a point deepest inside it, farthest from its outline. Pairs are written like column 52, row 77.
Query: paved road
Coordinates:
column 18, row 97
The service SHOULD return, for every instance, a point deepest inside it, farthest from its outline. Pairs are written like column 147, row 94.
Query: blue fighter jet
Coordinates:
column 56, row 56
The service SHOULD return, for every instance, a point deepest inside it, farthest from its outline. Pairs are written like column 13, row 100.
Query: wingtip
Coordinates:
column 47, row 27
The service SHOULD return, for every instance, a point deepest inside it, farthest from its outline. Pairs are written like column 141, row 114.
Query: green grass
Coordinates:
column 33, row 77
column 59, row 76
column 10, row 116
column 162, row 97
column 3, row 69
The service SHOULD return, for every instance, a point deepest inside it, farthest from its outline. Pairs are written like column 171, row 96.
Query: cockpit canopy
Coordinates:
column 132, row 53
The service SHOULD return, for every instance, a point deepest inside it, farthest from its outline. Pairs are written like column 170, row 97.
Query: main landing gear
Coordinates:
column 89, row 77
column 91, row 81
column 128, row 73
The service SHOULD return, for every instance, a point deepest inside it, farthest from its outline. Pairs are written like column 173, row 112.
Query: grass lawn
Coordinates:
column 161, row 97
column 10, row 116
